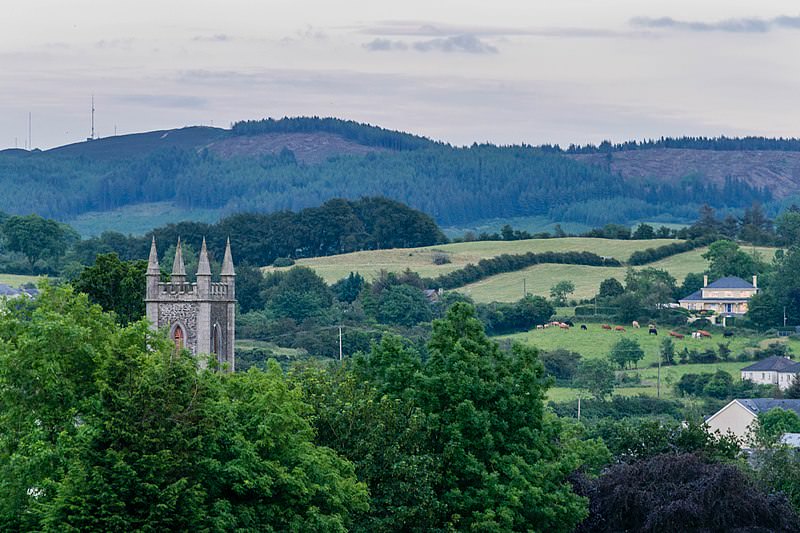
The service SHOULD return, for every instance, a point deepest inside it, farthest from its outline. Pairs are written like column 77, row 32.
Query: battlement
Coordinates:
column 189, row 291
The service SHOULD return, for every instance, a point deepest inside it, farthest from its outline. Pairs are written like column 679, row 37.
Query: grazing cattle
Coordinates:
column 563, row 326
column 703, row 333
column 569, row 323
column 605, row 326
column 727, row 333
column 583, row 327
column 539, row 326
column 636, row 324
column 676, row 334
column 619, row 328
column 695, row 335
column 652, row 331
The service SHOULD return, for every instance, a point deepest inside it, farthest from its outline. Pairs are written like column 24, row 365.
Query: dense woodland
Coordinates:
column 453, row 185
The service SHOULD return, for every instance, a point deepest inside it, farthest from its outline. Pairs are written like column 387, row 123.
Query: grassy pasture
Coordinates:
column 420, row 260
column 15, row 280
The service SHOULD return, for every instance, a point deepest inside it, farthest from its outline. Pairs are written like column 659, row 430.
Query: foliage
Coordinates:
column 461, row 441
column 651, row 255
column 108, row 428
column 347, row 289
column 667, row 351
column 38, row 239
column 727, row 259
column 297, row 293
column 777, row 468
column 560, row 291
column 116, row 286
column 774, row 423
column 562, row 364
column 610, row 288
column 403, row 305
column 720, row 385
column 522, row 315
column 281, row 262
column 626, row 352
column 596, row 376
column 621, row 407
column 250, row 284
column 682, row 493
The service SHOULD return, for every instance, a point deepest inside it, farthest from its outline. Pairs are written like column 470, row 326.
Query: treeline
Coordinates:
column 651, row 255
column 721, row 143
column 512, row 262
column 338, row 226
column 365, row 134
column 454, row 185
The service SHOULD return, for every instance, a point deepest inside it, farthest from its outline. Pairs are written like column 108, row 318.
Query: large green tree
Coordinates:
column 727, row 259
column 37, row 238
column 115, row 285
column 107, row 428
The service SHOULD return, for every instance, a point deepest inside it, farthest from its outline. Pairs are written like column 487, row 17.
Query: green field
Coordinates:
column 420, row 260
column 138, row 219
column 538, row 279
column 15, row 280
column 597, row 342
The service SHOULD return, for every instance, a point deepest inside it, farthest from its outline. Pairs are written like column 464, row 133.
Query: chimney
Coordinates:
column 705, row 280
column 755, row 281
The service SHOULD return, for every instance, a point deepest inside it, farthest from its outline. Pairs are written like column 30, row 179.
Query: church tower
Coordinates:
column 198, row 316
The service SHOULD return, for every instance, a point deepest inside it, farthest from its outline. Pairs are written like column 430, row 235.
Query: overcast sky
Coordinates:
column 503, row 71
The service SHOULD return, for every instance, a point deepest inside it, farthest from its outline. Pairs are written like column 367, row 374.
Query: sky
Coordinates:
column 460, row 71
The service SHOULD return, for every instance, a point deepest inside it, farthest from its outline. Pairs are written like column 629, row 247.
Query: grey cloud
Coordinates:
column 163, row 100
column 428, row 29
column 385, row 45
column 465, row 43
column 740, row 25
column 216, row 38
column 458, row 43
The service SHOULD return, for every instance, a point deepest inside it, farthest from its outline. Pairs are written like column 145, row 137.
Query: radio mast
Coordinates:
column 92, row 136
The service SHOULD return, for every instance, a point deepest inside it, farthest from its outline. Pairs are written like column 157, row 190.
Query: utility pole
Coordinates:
column 340, row 343
column 30, row 142
column 579, row 407
column 524, row 289
column 784, row 316
column 92, row 137
column 659, row 376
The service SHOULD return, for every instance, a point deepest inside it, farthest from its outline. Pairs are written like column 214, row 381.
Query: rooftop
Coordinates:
column 762, row 405
column 730, row 282
column 774, row 364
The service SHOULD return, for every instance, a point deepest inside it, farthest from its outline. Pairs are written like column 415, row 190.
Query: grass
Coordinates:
column 138, row 219
column 249, row 344
column 420, row 260
column 15, row 280
column 538, row 279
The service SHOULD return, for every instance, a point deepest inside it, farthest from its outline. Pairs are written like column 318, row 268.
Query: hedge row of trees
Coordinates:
column 513, row 262
column 651, row 255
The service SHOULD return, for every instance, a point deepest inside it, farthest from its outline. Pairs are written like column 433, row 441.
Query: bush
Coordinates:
column 440, row 258
column 283, row 262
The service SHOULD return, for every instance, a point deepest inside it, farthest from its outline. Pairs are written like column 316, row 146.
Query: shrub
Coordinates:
column 440, row 258
column 283, row 262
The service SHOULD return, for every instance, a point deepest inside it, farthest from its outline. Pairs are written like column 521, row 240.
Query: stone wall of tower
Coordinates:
column 200, row 308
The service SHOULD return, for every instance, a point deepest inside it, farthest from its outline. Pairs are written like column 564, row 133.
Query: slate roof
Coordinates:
column 762, row 405
column 730, row 282
column 8, row 290
column 696, row 295
column 774, row 364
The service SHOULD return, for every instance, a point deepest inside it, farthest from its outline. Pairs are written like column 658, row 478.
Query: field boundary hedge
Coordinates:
column 513, row 262
column 651, row 255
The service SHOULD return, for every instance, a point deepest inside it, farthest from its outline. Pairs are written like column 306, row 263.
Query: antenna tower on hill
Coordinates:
column 92, row 136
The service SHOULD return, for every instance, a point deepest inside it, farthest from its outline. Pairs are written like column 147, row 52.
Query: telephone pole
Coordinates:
column 340, row 343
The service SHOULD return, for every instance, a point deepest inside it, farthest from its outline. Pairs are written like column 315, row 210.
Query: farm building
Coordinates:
column 721, row 300
column 775, row 370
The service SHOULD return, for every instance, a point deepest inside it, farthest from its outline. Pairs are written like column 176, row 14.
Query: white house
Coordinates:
column 738, row 416
column 775, row 370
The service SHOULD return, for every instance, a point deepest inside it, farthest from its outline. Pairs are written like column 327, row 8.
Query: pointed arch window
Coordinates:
column 178, row 337
column 216, row 342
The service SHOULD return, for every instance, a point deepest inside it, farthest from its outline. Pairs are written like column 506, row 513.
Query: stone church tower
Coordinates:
column 199, row 316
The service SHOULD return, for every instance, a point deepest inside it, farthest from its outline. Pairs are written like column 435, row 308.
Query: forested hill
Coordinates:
column 272, row 165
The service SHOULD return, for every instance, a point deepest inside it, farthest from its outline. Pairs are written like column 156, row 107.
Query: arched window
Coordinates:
column 216, row 342
column 179, row 337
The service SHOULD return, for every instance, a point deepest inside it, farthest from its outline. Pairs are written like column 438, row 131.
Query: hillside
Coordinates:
column 508, row 287
column 294, row 163
column 776, row 171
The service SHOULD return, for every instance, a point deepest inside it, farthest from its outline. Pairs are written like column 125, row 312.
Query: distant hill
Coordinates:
column 293, row 163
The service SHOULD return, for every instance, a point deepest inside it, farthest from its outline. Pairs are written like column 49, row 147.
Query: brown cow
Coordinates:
column 563, row 326
column 605, row 326
column 619, row 328
column 704, row 333
column 675, row 334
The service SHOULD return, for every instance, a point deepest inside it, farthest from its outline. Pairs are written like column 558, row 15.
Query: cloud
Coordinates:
column 459, row 43
column 162, row 100
column 384, row 45
column 399, row 28
column 740, row 25
column 216, row 38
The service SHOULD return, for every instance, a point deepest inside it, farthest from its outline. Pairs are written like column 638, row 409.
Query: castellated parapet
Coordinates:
column 199, row 316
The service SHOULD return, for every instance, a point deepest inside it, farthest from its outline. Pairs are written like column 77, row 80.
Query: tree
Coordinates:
column 681, row 493
column 403, row 305
column 644, row 231
column 298, row 293
column 691, row 283
column 37, row 238
column 727, row 259
column 652, row 287
column 115, row 285
column 560, row 291
column 774, row 423
column 109, row 428
column 250, row 285
column 626, row 352
column 793, row 392
column 787, row 226
column 667, row 351
column 596, row 376
column 561, row 364
column 610, row 288
column 347, row 289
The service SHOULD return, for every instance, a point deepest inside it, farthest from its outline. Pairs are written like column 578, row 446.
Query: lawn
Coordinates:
column 15, row 280
column 420, row 260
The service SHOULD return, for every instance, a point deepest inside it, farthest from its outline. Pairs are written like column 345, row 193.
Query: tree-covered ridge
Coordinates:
column 365, row 134
column 721, row 143
column 453, row 184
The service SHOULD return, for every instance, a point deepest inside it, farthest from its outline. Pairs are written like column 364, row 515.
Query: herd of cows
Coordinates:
column 651, row 328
